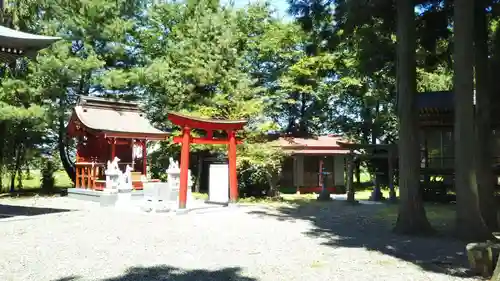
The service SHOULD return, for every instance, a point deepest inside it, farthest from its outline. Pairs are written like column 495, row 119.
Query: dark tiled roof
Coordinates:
column 15, row 44
column 435, row 100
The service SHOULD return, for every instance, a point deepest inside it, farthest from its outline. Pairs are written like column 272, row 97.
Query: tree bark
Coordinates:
column 357, row 171
column 199, row 172
column 485, row 177
column 272, row 180
column 469, row 222
column 21, row 160
column 17, row 166
column 411, row 218
column 68, row 166
column 3, row 132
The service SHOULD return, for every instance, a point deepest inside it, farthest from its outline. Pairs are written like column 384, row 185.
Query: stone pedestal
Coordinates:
column 161, row 196
column 376, row 193
column 108, row 197
column 324, row 195
column 123, row 198
column 157, row 197
column 112, row 179
column 483, row 257
column 174, row 174
column 125, row 188
column 392, row 196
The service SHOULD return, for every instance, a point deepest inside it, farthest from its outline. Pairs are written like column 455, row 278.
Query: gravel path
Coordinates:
column 318, row 242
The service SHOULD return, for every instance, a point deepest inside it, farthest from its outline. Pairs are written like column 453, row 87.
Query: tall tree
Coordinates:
column 411, row 218
column 469, row 222
column 485, row 178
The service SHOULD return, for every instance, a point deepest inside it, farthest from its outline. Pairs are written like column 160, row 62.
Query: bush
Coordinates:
column 48, row 180
column 251, row 183
column 260, row 166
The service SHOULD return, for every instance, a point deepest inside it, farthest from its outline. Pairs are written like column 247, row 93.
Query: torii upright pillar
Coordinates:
column 210, row 126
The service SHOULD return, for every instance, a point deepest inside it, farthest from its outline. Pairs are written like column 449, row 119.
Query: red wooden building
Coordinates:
column 105, row 128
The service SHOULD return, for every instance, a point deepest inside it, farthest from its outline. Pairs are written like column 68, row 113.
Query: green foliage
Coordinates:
column 263, row 163
column 332, row 69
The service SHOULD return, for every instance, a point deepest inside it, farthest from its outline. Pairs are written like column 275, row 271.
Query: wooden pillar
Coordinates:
column 132, row 153
column 186, row 139
column 334, row 175
column 77, row 178
column 320, row 173
column 89, row 176
column 427, row 178
column 233, row 176
column 144, row 157
column 112, row 142
column 294, row 174
column 350, row 172
column 300, row 171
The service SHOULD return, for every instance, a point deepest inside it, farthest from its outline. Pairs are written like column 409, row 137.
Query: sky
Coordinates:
column 280, row 5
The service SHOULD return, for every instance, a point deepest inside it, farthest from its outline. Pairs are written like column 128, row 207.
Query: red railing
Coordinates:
column 87, row 173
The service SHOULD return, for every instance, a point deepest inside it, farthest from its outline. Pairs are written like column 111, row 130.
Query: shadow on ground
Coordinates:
column 8, row 211
column 168, row 273
column 32, row 192
column 369, row 226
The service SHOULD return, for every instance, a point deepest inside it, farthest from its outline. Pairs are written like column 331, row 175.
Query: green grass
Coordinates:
column 61, row 177
column 200, row 196
column 365, row 194
column 285, row 198
column 294, row 198
column 441, row 216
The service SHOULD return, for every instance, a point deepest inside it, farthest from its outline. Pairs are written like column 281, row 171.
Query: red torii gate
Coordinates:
column 187, row 123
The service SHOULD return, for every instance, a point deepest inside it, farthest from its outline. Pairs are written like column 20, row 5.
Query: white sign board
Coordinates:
column 218, row 184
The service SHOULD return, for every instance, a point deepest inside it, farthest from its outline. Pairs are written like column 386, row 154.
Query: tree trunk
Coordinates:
column 1, row 179
column 411, row 217
column 12, row 181
column 469, row 222
column 3, row 133
column 485, row 177
column 69, row 167
column 19, row 168
column 374, row 124
column 199, row 172
column 272, row 180
column 358, row 171
column 17, row 164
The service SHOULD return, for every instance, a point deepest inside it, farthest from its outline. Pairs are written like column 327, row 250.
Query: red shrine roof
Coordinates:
column 205, row 123
column 322, row 145
column 113, row 119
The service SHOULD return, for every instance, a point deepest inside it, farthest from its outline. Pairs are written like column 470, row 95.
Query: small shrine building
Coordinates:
column 308, row 158
column 105, row 129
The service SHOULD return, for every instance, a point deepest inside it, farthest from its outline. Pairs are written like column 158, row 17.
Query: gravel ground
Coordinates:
column 329, row 241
